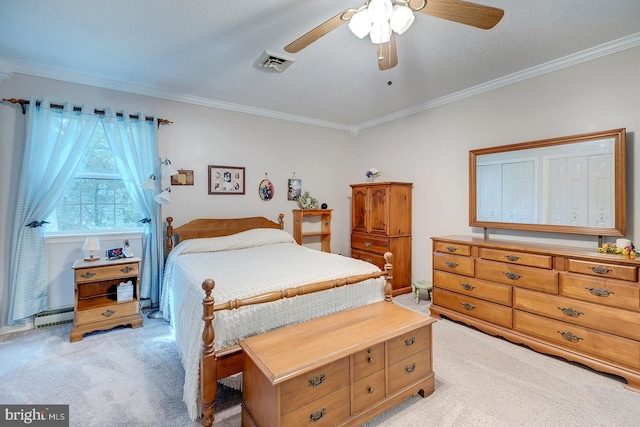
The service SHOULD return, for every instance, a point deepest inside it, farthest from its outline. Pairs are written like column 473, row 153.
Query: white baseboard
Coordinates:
column 16, row 328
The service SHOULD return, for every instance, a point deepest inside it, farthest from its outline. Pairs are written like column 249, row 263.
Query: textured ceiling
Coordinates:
column 203, row 51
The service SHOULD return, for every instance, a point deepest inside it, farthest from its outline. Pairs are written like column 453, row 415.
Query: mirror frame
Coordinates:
column 619, row 228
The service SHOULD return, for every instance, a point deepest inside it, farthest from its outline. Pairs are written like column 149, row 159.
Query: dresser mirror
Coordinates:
column 573, row 184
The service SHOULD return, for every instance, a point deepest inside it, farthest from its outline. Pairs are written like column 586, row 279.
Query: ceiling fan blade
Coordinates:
column 319, row 31
column 463, row 12
column 387, row 54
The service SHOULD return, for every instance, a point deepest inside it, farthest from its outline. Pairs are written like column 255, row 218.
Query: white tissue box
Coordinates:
column 125, row 291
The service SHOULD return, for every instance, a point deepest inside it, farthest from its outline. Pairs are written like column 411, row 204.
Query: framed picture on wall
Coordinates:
column 294, row 189
column 226, row 179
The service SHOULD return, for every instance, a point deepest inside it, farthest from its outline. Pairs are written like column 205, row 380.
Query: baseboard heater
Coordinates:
column 53, row 317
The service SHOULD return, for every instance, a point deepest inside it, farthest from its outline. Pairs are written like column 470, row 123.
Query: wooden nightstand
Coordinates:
column 96, row 303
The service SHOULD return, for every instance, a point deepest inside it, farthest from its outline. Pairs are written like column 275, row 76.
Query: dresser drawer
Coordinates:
column 368, row 391
column 475, row 307
column 595, row 316
column 108, row 312
column 581, row 339
column 109, row 272
column 610, row 292
column 409, row 370
column 525, row 277
column 368, row 361
column 452, row 248
column 314, row 384
column 454, row 264
column 609, row 271
column 327, row 411
column 375, row 259
column 407, row 344
column 474, row 287
column 370, row 243
column 519, row 258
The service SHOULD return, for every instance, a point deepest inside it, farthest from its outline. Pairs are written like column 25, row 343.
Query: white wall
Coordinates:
column 429, row 149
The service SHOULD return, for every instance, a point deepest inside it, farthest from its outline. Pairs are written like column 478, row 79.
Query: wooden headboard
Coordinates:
column 216, row 227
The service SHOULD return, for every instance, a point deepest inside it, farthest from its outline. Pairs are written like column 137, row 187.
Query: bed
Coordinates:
column 228, row 279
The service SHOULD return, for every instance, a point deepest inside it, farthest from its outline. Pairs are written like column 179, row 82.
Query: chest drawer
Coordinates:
column 581, row 339
column 525, row 277
column 370, row 243
column 475, row 307
column 452, row 248
column 609, row 271
column 327, row 411
column 408, row 344
column 103, row 273
column 519, row 258
column 454, row 264
column 368, row 390
column 368, row 361
column 473, row 287
column 314, row 384
column 372, row 258
column 406, row 371
column 110, row 312
column 595, row 316
column 610, row 292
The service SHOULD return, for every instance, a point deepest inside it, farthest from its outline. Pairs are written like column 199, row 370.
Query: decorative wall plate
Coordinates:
column 266, row 190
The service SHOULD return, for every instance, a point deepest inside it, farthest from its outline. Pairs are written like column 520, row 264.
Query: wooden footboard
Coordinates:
column 217, row 364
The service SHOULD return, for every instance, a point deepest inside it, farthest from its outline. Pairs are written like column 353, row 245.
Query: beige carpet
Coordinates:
column 128, row 377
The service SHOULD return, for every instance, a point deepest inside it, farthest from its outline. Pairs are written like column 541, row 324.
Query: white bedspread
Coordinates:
column 247, row 264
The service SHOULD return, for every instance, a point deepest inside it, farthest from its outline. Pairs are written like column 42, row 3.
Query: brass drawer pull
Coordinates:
column 371, row 359
column 452, row 248
column 317, row 416
column 371, row 390
column 467, row 286
column 512, row 257
column 569, row 336
column 126, row 269
column 87, row 275
column 599, row 269
column 367, row 245
column 108, row 313
column 511, row 275
column 451, row 264
column 568, row 311
column 599, row 292
column 410, row 368
column 316, row 381
column 410, row 341
column 369, row 260
column 467, row 306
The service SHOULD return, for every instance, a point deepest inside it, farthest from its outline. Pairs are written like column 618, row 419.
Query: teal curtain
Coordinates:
column 135, row 149
column 56, row 140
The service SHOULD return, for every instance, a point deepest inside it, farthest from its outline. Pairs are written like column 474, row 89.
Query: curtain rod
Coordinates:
column 24, row 102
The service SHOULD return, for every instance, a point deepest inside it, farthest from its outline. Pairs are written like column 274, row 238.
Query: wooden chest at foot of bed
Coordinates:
column 338, row 370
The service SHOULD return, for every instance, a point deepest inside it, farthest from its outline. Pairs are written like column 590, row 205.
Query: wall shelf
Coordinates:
column 325, row 226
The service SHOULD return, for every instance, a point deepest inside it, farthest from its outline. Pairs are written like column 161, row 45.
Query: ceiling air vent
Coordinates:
column 271, row 61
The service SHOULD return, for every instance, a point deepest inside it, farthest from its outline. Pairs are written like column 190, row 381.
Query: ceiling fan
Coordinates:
column 382, row 19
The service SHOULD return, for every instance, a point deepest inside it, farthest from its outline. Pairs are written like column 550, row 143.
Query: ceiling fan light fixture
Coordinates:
column 360, row 23
column 380, row 33
column 401, row 19
column 380, row 11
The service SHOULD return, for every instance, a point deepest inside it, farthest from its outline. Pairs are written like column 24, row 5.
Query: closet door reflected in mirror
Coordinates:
column 573, row 184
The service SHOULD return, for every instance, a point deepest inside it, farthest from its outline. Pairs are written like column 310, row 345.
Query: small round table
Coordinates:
column 422, row 285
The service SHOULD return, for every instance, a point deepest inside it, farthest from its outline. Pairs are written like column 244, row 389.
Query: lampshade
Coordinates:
column 150, row 184
column 360, row 23
column 91, row 244
column 401, row 19
column 164, row 197
column 168, row 169
column 380, row 11
column 380, row 33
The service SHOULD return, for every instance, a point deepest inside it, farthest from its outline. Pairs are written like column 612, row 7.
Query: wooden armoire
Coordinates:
column 381, row 222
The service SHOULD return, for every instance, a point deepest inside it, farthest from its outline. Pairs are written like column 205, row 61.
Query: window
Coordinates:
column 96, row 198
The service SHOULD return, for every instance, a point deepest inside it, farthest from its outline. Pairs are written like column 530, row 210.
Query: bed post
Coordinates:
column 208, row 365
column 169, row 241
column 281, row 221
column 388, row 268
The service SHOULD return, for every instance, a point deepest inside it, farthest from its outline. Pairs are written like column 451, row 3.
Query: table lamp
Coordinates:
column 91, row 244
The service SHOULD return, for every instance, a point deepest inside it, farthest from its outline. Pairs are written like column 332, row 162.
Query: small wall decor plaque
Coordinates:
column 184, row 177
column 265, row 189
column 226, row 179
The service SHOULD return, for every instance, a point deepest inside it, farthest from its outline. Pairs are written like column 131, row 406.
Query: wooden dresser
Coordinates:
column 574, row 303
column 381, row 222
column 337, row 370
